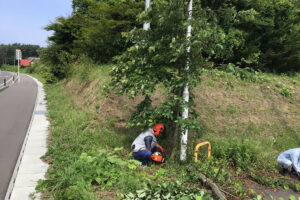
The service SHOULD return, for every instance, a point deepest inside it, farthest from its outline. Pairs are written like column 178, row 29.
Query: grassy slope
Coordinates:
column 77, row 133
column 262, row 116
column 266, row 111
column 86, row 115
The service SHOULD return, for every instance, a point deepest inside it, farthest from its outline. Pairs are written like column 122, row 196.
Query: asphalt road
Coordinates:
column 2, row 74
column 16, row 107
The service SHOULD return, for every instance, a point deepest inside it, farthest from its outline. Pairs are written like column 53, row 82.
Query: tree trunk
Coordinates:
column 212, row 185
column 185, row 113
column 175, row 136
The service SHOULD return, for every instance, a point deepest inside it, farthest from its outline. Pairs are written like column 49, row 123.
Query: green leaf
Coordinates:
column 286, row 187
column 98, row 180
column 198, row 197
column 292, row 197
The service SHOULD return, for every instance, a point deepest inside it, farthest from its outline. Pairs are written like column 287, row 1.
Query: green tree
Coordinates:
column 158, row 59
column 94, row 29
column 266, row 32
column 102, row 33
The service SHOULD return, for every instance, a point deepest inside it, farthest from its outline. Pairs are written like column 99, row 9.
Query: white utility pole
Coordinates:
column 18, row 71
column 185, row 113
column 146, row 25
column 18, row 57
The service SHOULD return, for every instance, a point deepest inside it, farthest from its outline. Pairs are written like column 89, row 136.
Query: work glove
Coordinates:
column 151, row 157
column 162, row 149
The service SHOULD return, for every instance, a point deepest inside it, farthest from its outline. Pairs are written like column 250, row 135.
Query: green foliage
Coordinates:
column 29, row 69
column 56, row 61
column 101, row 37
column 90, row 170
column 82, row 68
column 172, row 190
column 241, row 154
column 11, row 68
column 95, row 28
column 249, row 34
column 78, row 167
column 292, row 197
column 265, row 33
column 155, row 61
column 285, row 92
column 44, row 71
column 247, row 73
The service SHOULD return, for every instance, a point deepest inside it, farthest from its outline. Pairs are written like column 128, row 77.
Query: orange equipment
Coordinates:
column 157, row 157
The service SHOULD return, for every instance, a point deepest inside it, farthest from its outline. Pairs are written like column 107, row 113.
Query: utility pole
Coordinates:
column 18, row 57
column 185, row 113
column 146, row 24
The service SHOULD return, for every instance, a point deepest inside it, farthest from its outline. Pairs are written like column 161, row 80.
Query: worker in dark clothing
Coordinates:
column 146, row 144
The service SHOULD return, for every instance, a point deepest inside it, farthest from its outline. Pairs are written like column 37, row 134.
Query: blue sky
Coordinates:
column 22, row 21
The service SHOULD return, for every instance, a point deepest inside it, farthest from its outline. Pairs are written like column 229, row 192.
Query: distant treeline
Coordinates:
column 259, row 34
column 7, row 52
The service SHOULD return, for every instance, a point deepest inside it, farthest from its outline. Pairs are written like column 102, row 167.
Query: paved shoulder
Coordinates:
column 30, row 168
column 17, row 104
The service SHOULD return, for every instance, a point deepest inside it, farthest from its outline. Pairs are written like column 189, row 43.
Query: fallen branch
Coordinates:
column 212, row 185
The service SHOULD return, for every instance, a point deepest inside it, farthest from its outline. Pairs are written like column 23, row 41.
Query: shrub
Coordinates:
column 242, row 154
column 95, row 169
column 29, row 69
column 285, row 92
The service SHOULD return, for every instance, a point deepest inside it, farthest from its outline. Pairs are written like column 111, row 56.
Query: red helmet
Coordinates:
column 158, row 128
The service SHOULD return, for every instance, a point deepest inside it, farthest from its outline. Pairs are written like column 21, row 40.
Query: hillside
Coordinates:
column 264, row 109
column 248, row 117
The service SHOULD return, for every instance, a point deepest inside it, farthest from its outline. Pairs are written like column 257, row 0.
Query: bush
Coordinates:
column 241, row 154
column 44, row 71
column 95, row 169
column 29, row 69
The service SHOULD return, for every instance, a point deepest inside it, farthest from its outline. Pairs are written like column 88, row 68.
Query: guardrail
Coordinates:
column 7, row 83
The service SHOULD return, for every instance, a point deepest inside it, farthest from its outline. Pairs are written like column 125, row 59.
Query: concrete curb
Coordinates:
column 29, row 167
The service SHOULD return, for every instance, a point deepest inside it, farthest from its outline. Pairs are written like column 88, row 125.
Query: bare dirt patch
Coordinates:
column 106, row 195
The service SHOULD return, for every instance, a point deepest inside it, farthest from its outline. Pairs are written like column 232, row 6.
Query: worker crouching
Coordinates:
column 290, row 160
column 146, row 144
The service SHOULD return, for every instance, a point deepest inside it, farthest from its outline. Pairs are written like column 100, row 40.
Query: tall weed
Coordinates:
column 241, row 154
column 78, row 167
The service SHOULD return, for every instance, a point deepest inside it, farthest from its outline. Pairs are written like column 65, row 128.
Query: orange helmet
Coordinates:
column 158, row 128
